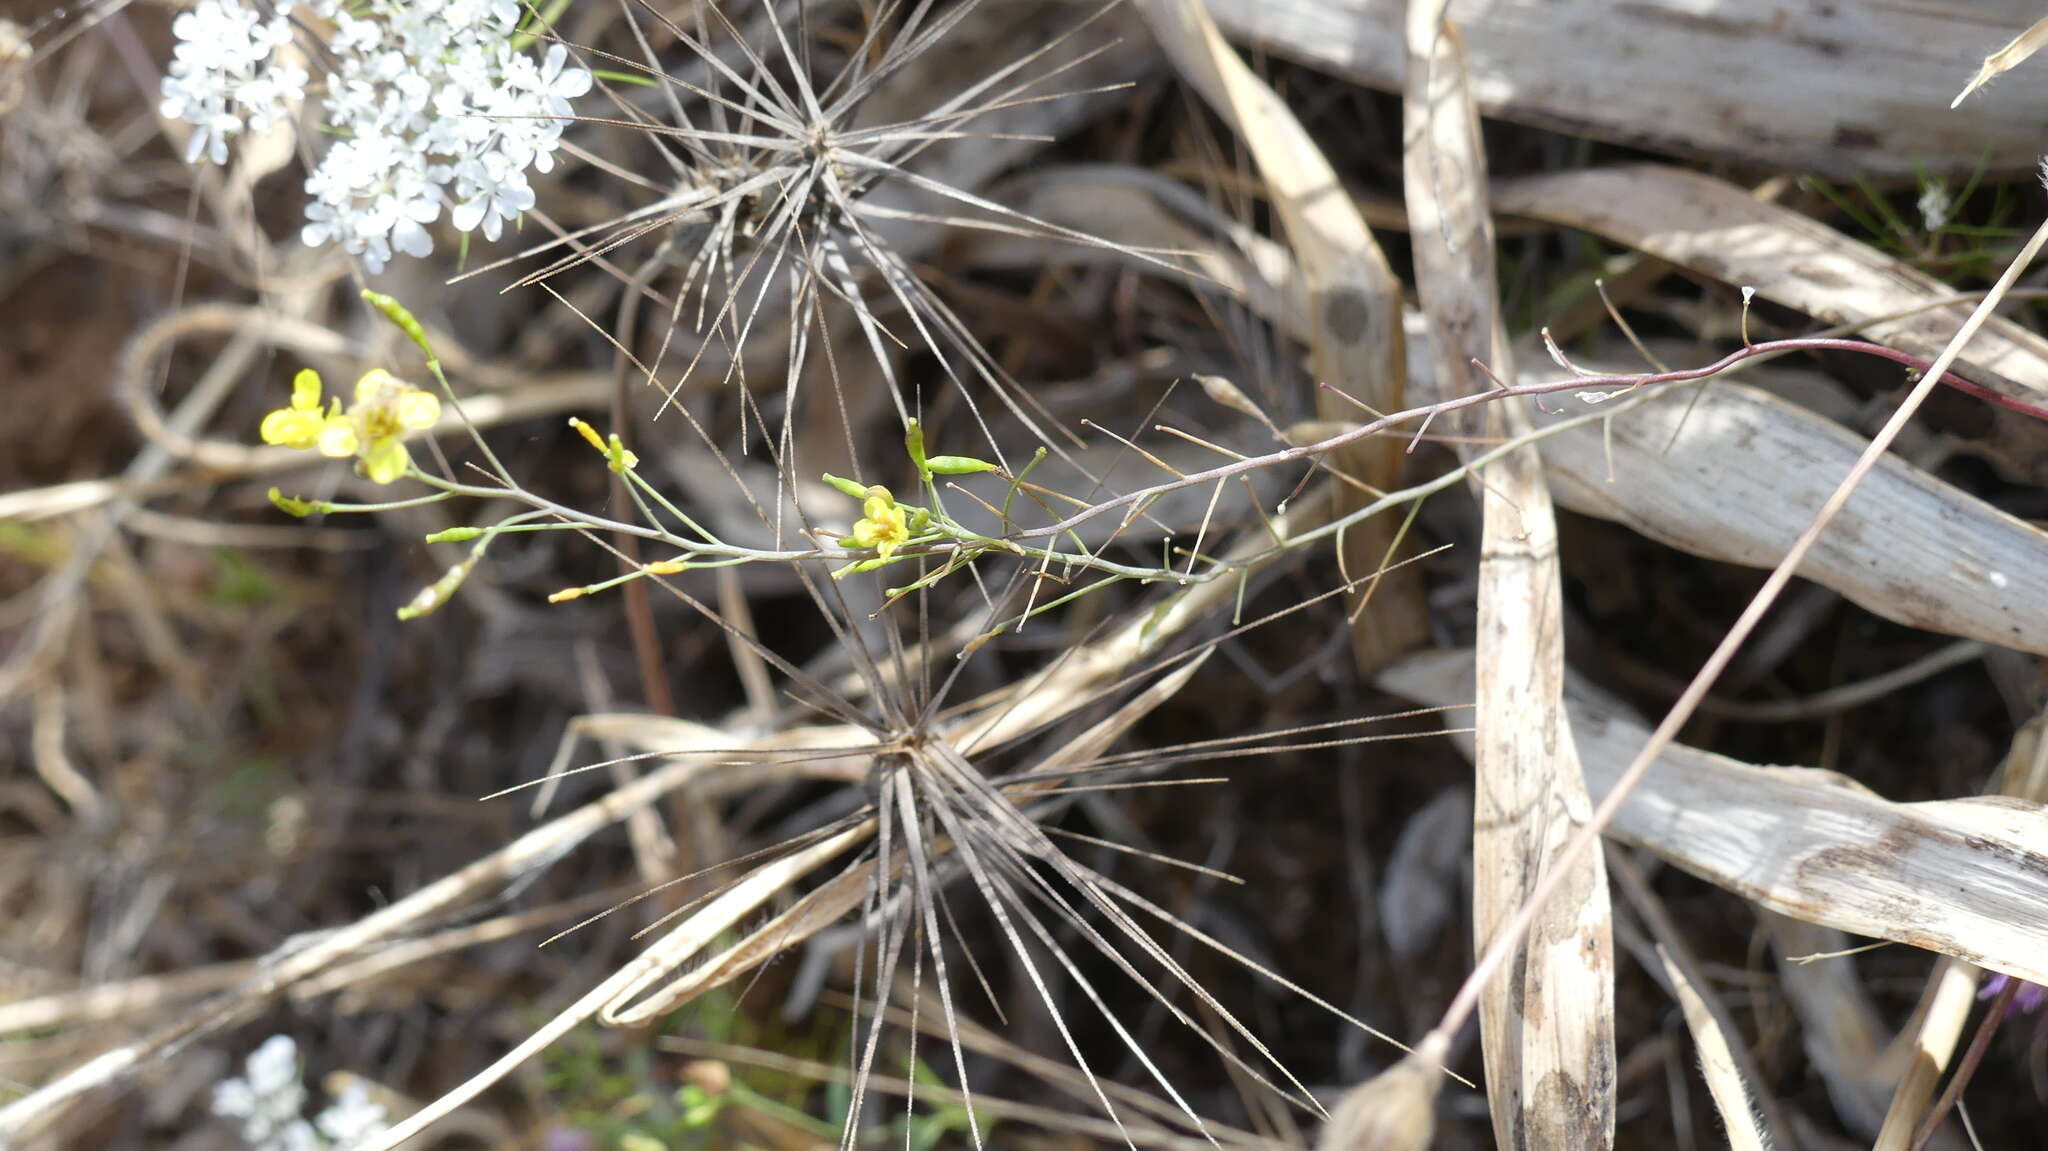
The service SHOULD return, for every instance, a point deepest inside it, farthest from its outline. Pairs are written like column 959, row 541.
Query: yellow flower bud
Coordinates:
column 588, row 433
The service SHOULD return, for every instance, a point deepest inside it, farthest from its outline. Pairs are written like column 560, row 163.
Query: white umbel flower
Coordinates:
column 428, row 106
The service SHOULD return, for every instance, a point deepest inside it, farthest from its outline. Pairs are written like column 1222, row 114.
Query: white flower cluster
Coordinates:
column 429, row 103
column 224, row 77
column 268, row 1101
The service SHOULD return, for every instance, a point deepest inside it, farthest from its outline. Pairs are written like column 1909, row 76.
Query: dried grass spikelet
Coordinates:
column 2006, row 59
column 1394, row 1110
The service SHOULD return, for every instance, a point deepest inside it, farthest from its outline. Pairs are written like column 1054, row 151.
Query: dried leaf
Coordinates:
column 1964, row 877
column 1547, row 1023
column 1849, row 88
column 1717, row 1064
column 1740, row 483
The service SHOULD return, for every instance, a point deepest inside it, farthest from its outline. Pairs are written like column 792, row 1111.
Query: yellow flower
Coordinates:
column 386, row 408
column 882, row 527
column 374, row 428
column 303, row 424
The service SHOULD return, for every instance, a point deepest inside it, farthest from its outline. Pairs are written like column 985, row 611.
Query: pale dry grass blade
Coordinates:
column 1908, row 546
column 1964, row 877
column 1927, row 1044
column 1853, row 88
column 1547, row 1023
column 1717, row 1063
column 1356, row 338
column 1721, row 230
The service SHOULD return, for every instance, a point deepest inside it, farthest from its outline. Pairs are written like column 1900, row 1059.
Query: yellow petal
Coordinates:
column 337, row 437
column 290, row 428
column 418, row 409
column 385, row 461
column 372, row 384
column 306, row 391
column 863, row 534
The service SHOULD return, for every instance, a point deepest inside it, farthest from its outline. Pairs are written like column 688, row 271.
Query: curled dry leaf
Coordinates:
column 1909, row 546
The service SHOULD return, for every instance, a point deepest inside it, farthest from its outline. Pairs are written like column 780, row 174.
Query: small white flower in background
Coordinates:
column 268, row 1099
column 352, row 1118
column 1935, row 206
column 427, row 104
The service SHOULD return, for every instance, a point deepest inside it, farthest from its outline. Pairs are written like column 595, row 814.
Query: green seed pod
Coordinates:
column 857, row 491
column 397, row 314
column 440, row 591
column 913, row 442
column 957, row 465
